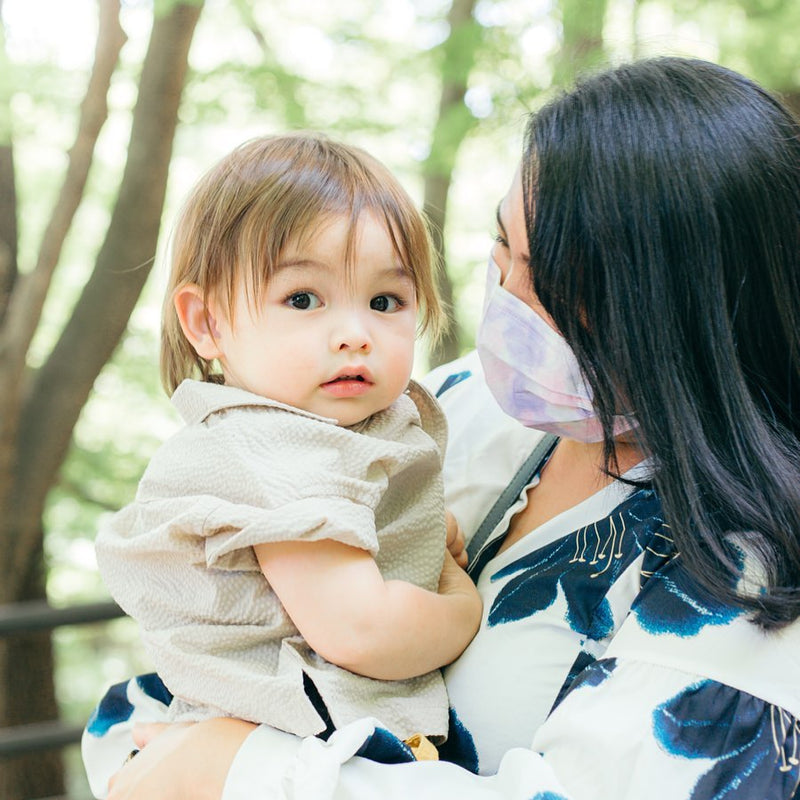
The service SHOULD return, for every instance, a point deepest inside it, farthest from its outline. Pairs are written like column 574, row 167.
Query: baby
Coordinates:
column 285, row 555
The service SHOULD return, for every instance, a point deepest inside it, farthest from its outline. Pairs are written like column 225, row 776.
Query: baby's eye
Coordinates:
column 303, row 301
column 386, row 303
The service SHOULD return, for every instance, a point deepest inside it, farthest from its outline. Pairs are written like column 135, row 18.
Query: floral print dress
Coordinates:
column 601, row 670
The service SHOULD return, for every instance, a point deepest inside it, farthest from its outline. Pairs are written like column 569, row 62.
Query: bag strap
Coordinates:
column 522, row 477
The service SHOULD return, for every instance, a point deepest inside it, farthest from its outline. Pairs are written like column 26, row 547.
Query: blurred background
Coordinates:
column 111, row 109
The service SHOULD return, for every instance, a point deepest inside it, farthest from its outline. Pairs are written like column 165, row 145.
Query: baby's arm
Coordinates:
column 346, row 611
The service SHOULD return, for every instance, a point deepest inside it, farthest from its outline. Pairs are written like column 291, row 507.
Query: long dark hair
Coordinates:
column 662, row 202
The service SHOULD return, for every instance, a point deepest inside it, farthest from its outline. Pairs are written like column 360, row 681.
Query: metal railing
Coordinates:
column 30, row 617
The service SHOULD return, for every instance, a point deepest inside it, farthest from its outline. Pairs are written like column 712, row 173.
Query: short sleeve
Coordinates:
column 251, row 476
column 235, row 529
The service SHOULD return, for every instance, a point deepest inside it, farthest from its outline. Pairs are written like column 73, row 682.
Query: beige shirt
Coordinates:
column 247, row 470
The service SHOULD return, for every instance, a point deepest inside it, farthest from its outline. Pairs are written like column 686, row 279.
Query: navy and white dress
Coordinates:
column 601, row 670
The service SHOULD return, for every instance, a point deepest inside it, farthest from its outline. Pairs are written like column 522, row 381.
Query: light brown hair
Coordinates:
column 270, row 192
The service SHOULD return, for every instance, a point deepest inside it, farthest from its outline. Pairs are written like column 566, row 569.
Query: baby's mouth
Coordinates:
column 349, row 384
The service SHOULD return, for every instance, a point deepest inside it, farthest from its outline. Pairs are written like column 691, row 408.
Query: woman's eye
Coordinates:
column 385, row 303
column 303, row 301
column 500, row 239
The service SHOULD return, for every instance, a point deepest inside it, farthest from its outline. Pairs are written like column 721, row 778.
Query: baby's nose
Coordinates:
column 352, row 334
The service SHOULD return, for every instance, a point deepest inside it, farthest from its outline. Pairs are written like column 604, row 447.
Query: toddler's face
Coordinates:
column 331, row 339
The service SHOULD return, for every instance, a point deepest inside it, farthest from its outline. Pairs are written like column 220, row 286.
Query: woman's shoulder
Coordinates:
column 485, row 447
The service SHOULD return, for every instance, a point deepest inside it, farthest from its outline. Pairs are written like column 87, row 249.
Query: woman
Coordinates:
column 640, row 636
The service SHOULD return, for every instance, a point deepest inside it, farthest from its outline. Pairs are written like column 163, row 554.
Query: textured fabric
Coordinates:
column 245, row 471
column 600, row 670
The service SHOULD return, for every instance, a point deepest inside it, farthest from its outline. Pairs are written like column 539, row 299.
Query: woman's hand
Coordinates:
column 455, row 540
column 180, row 761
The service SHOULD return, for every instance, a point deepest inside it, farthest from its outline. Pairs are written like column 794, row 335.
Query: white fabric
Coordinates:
column 246, row 470
column 599, row 742
column 685, row 700
column 272, row 765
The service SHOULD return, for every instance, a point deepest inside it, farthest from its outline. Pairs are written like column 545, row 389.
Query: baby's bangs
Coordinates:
column 291, row 216
column 402, row 222
column 412, row 244
column 410, row 238
column 392, row 226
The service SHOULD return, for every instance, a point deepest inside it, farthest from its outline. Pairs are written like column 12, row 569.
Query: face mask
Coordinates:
column 531, row 370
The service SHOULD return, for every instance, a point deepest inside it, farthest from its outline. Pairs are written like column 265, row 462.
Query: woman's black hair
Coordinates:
column 662, row 202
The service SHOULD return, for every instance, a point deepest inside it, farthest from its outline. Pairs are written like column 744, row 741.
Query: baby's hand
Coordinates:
column 465, row 602
column 455, row 540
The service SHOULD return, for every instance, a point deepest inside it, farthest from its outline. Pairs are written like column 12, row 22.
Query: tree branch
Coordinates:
column 452, row 126
column 27, row 299
column 582, row 46
column 8, row 191
column 98, row 321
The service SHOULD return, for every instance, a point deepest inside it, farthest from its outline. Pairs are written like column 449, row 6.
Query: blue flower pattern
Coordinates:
column 593, row 674
column 459, row 748
column 116, row 708
column 112, row 709
column 587, row 562
column 452, row 380
column 671, row 601
column 384, row 747
column 584, row 564
column 754, row 745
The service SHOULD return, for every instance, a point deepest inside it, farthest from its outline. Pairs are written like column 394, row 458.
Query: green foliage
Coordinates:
column 105, row 463
column 756, row 37
column 582, row 45
column 767, row 40
column 765, row 8
column 339, row 67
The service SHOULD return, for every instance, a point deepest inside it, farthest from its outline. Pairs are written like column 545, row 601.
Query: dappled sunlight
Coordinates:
column 367, row 72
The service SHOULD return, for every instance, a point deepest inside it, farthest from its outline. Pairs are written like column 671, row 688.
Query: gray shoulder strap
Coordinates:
column 522, row 477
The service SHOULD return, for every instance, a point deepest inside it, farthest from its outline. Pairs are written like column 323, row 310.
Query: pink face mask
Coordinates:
column 532, row 372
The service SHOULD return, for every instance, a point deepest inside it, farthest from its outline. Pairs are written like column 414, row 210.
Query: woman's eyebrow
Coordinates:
column 499, row 220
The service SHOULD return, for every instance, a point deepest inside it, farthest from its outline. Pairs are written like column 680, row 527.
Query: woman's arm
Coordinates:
column 183, row 760
column 352, row 617
column 331, row 771
column 225, row 759
column 629, row 730
column 663, row 716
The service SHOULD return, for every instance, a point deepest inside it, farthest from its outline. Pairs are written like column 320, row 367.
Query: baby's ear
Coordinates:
column 198, row 321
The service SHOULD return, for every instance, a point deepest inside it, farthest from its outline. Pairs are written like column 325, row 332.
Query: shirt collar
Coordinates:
column 196, row 401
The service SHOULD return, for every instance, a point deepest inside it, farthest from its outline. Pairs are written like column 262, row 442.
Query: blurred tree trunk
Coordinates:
column 581, row 39
column 452, row 125
column 792, row 99
column 39, row 409
column 8, row 193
